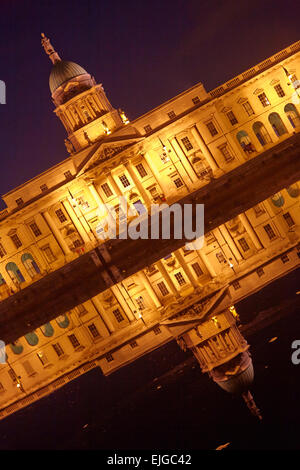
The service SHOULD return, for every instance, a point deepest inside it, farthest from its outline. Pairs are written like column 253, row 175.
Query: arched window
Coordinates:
column 63, row 321
column 293, row 190
column 32, row 338
column 14, row 273
column 277, row 124
column 245, row 142
column 277, row 200
column 16, row 347
column 47, row 329
column 2, row 280
column 261, row 133
column 292, row 114
column 30, row 265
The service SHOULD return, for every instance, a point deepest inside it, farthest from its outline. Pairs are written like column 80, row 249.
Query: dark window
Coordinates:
column 48, row 253
column 61, row 216
column 35, row 229
column 109, row 357
column 2, row 251
column 232, row 119
column 248, row 108
column 269, row 231
column 141, row 170
column 148, row 128
column 260, row 272
column 285, row 258
column 171, row 115
column 180, row 279
column 140, row 302
column 118, row 315
column 236, row 285
column 19, row 201
column 196, row 100
column 93, row 330
column 264, row 100
column 106, row 189
column 226, row 153
column 157, row 330
column 133, row 344
column 124, row 181
column 74, row 341
column 212, row 129
column 220, row 257
column 289, row 219
column 244, row 244
column 178, row 182
column 279, row 90
column 81, row 309
column 58, row 349
column 197, row 269
column 187, row 143
column 16, row 240
column 43, row 187
column 162, row 287
column 68, row 174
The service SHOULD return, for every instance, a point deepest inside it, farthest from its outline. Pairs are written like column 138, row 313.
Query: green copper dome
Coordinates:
column 62, row 71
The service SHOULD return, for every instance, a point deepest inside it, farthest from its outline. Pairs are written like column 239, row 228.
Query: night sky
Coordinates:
column 143, row 52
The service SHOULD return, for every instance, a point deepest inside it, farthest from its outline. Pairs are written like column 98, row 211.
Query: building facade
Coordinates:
column 159, row 158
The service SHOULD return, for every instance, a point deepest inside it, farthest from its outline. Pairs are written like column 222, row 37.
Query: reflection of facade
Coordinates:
column 160, row 157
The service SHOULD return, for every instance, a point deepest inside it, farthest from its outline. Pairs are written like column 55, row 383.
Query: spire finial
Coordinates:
column 49, row 49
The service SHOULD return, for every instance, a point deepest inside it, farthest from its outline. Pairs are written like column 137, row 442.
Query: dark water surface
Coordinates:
column 163, row 401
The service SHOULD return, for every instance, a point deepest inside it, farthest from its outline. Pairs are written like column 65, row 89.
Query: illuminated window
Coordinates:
column 232, row 119
column 279, row 90
column 140, row 302
column 58, row 349
column 74, row 341
column 171, row 115
column 248, row 108
column 2, row 251
column 186, row 142
column 43, row 187
column 106, row 189
column 93, row 330
column 124, row 181
column 61, row 216
column 162, row 287
column 244, row 244
column 180, row 279
column 289, row 219
column 148, row 128
column 16, row 240
column 196, row 100
column 35, row 229
column 141, row 170
column 196, row 267
column 19, row 201
column 263, row 99
column 118, row 315
column 269, row 231
column 212, row 128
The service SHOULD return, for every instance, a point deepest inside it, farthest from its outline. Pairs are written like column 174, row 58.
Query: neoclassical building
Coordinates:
column 162, row 156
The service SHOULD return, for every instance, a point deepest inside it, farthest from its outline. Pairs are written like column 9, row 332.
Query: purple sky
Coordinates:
column 143, row 52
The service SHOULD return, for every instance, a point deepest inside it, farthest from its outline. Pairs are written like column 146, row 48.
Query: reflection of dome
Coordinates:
column 238, row 383
column 62, row 71
column 236, row 375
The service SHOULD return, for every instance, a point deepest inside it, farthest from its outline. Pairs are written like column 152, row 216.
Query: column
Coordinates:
column 156, row 174
column 236, row 148
column 167, row 278
column 146, row 283
column 186, row 268
column 73, row 216
column 137, row 183
column 207, row 263
column 228, row 239
column 122, row 301
column 249, row 229
column 114, row 185
column 204, row 148
column 103, row 314
column 100, row 202
column 184, row 160
column 66, row 250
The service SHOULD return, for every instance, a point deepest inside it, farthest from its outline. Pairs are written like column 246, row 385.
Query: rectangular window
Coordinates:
column 58, row 349
column 232, row 119
column 196, row 267
column 258, row 209
column 248, row 108
column 157, row 330
column 106, row 189
column 35, row 229
column 12, row 375
column 180, row 279
column 196, row 100
column 48, row 254
column 162, row 287
column 171, row 115
column 81, row 309
column 16, row 240
column 61, row 216
column 118, row 315
column 260, row 272
column 2, row 251
column 94, row 331
column 28, row 368
column 178, row 182
column 74, row 341
column 295, row 81
column 43, row 358
column 263, row 99
column 224, row 149
column 236, row 285
column 140, row 302
column 43, row 187
column 289, row 219
column 133, row 344
column 220, row 257
column 279, row 90
column 244, row 244
column 109, row 357
column 212, row 128
column 141, row 170
column 19, row 201
column 68, row 174
column 148, row 128
column 186, row 142
column 285, row 259
column 269, row 231
column 124, row 181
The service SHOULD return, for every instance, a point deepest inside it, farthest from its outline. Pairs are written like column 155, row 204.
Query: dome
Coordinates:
column 62, row 71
